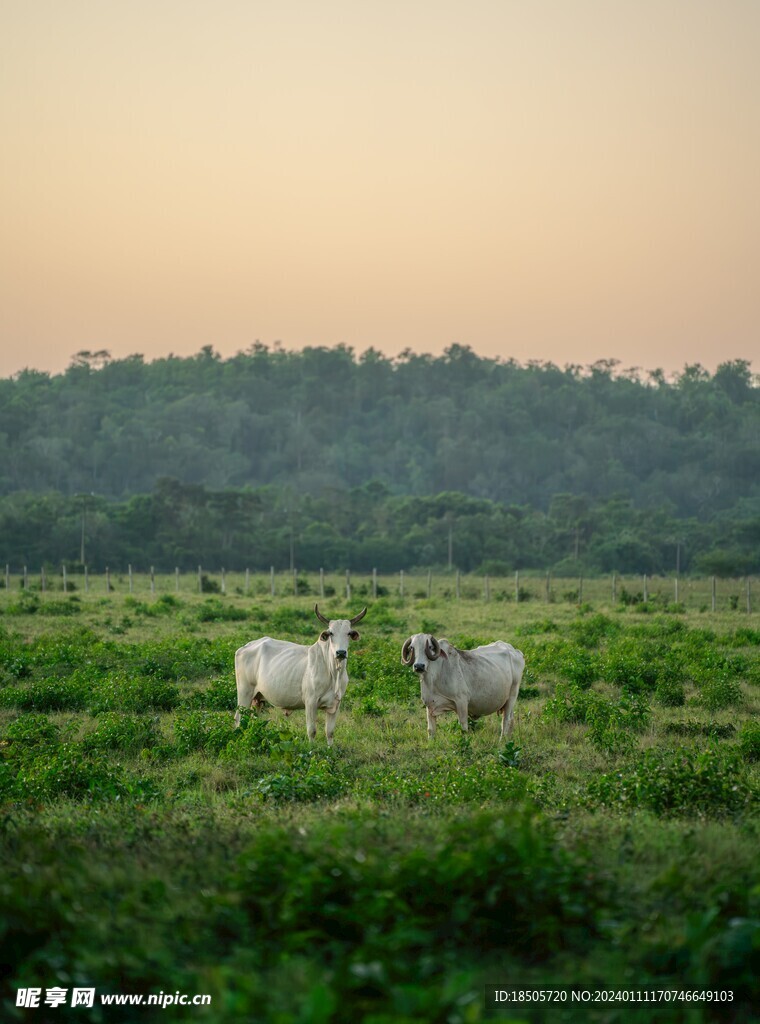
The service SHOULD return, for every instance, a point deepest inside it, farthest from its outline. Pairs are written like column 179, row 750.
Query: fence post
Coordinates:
column 43, row 581
column 348, row 585
column 548, row 587
column 152, row 580
column 517, row 586
column 458, row 584
column 614, row 588
column 488, row 589
column 176, row 579
column 247, row 581
column 646, row 589
column 271, row 581
column 108, row 580
column 401, row 583
column 713, row 594
column 86, row 580
column 26, row 578
column 374, row 584
column 430, row 584
column 675, row 591
column 65, row 582
column 295, row 582
column 200, row 580
column 580, row 590
column 224, row 582
column 129, row 573
column 749, row 598
column 322, row 584
column 7, row 577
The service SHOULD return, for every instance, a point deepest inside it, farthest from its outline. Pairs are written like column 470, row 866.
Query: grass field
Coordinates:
column 148, row 847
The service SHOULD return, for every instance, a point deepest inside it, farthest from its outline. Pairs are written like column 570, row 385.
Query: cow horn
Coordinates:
column 432, row 648
column 320, row 616
column 406, row 652
column 359, row 617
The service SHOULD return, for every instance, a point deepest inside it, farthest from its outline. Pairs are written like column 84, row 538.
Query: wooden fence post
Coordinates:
column 176, row 579
column 26, row 578
column 614, row 588
column 488, row 589
column 200, row 580
column 548, row 591
column 65, row 582
column 713, row 594
column 348, row 585
column 152, row 580
column 247, row 581
column 322, row 584
column 401, row 583
column 271, row 581
column 580, row 590
column 43, row 580
column 675, row 591
column 7, row 577
column 295, row 582
column 458, row 585
column 430, row 584
column 749, row 598
column 129, row 573
column 646, row 589
column 108, row 580
column 86, row 580
column 374, row 584
column 517, row 586
column 224, row 582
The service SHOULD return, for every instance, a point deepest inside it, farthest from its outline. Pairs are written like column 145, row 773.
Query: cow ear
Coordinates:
column 324, row 635
column 354, row 634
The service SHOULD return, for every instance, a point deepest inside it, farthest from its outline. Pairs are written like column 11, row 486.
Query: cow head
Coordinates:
column 338, row 633
column 419, row 650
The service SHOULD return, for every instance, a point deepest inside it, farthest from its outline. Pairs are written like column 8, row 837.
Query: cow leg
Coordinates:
column 311, row 720
column 330, row 719
column 430, row 722
column 508, row 713
column 462, row 715
column 245, row 697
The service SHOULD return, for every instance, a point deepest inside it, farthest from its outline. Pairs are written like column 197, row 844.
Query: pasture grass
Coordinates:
column 148, row 845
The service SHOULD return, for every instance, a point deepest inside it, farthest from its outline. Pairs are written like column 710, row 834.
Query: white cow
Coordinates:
column 294, row 676
column 471, row 683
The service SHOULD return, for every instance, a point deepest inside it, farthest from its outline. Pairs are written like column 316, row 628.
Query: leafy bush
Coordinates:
column 721, row 691
column 118, row 731
column 209, row 731
column 713, row 730
column 310, row 776
column 29, row 732
column 670, row 693
column 215, row 610
column 119, row 693
column 749, row 740
column 69, row 771
column 611, row 723
column 219, row 695
column 678, row 782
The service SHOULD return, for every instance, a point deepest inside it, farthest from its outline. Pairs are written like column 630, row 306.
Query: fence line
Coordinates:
column 666, row 592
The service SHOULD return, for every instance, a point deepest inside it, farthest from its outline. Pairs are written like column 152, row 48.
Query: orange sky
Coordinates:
column 560, row 179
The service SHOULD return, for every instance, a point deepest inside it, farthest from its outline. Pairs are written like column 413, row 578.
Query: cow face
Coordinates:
column 338, row 634
column 419, row 650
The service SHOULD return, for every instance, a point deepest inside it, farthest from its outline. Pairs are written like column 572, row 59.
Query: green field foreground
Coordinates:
column 149, row 847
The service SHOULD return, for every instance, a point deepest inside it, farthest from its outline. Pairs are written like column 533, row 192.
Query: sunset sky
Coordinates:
column 555, row 179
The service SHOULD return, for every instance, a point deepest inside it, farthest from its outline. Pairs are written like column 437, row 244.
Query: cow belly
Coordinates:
column 488, row 700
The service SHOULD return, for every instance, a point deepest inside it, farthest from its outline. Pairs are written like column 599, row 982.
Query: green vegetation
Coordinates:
column 148, row 845
column 240, row 462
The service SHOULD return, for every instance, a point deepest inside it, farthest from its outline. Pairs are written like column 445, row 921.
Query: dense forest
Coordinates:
column 326, row 458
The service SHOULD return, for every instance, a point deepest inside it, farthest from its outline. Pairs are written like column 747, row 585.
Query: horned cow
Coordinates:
column 292, row 676
column 474, row 683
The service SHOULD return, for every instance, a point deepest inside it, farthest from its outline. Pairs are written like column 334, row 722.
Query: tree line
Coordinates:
column 325, row 458
column 327, row 418
column 364, row 528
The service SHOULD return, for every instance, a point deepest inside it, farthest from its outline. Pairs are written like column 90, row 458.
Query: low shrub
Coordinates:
column 207, row 731
column 749, row 740
column 684, row 781
column 119, row 731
